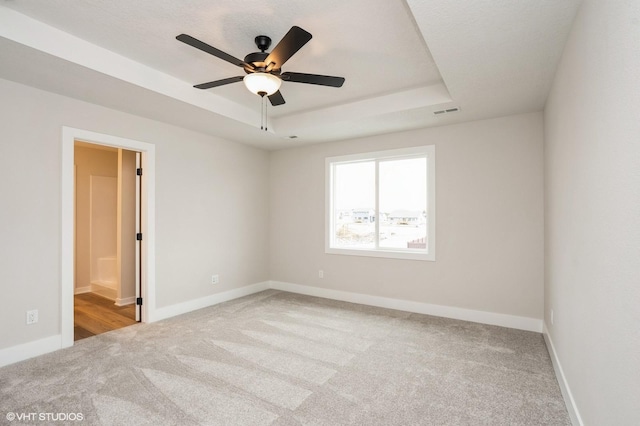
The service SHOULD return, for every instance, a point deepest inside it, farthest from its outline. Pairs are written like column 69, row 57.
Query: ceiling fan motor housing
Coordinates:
column 257, row 59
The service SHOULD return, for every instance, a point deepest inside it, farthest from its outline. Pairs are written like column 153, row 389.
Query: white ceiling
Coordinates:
column 492, row 58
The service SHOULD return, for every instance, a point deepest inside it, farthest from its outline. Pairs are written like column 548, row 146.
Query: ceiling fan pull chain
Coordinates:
column 262, row 113
column 266, row 117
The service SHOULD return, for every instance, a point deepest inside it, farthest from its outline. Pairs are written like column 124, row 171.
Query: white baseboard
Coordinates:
column 49, row 344
column 29, row 350
column 491, row 318
column 574, row 414
column 81, row 290
column 214, row 299
column 125, row 301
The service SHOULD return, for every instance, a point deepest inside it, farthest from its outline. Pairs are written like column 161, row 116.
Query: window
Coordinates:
column 382, row 204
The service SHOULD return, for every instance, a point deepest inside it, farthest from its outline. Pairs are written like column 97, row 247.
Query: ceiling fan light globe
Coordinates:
column 262, row 82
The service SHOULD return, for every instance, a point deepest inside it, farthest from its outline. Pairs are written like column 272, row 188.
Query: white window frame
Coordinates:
column 427, row 151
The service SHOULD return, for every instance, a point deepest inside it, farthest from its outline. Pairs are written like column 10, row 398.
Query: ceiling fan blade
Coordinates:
column 194, row 42
column 276, row 99
column 217, row 83
column 322, row 80
column 288, row 46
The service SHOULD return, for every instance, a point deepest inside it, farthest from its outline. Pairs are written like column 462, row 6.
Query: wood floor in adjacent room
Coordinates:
column 94, row 314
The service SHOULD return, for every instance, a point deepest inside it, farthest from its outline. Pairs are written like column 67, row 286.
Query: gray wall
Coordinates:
column 592, row 212
column 489, row 231
column 211, row 207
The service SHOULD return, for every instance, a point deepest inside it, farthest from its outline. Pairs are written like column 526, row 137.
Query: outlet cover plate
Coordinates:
column 32, row 316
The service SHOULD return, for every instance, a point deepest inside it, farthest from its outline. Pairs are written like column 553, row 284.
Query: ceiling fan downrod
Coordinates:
column 263, row 42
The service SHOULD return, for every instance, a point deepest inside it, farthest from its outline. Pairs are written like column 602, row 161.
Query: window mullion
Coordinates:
column 377, row 207
column 332, row 201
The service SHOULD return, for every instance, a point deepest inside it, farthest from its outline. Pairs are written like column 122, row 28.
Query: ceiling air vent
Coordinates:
column 446, row 111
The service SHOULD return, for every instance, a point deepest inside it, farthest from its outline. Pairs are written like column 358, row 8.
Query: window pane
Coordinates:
column 354, row 208
column 403, row 203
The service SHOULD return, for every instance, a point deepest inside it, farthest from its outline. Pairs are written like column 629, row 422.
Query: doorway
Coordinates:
column 144, row 297
column 106, row 223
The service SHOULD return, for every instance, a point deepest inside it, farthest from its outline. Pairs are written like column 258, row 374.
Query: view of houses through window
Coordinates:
column 380, row 204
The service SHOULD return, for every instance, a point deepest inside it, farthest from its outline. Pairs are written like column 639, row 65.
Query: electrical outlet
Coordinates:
column 215, row 279
column 551, row 315
column 320, row 273
column 32, row 316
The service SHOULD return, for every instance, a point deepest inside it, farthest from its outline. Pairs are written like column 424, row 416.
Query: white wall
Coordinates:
column 97, row 162
column 127, row 224
column 489, row 220
column 211, row 207
column 592, row 212
column 103, row 219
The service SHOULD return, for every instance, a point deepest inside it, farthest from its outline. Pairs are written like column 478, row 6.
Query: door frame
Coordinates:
column 69, row 136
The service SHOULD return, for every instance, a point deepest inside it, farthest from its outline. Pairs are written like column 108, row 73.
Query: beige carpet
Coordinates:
column 277, row 358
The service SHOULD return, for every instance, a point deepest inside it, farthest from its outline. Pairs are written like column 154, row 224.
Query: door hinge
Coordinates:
column 139, row 172
column 139, row 236
column 139, row 301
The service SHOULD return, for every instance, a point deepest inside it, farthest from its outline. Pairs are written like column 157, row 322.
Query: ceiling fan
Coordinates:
column 264, row 70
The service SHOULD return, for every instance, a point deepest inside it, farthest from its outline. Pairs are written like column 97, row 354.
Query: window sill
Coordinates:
column 390, row 254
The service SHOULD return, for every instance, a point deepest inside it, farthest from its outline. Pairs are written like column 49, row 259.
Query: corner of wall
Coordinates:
column 569, row 401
